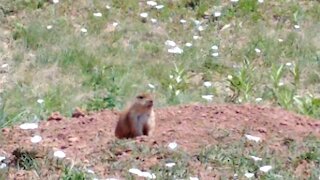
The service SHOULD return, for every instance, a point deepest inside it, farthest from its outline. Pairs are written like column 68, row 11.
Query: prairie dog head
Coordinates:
column 144, row 100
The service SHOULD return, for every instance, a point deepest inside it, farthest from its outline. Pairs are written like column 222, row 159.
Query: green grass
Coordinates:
column 103, row 67
column 234, row 158
column 43, row 165
column 25, row 159
column 70, row 173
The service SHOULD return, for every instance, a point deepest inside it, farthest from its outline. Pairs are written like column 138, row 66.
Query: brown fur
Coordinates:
column 138, row 119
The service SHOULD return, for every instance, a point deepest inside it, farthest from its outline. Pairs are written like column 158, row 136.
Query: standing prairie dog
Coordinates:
column 138, row 119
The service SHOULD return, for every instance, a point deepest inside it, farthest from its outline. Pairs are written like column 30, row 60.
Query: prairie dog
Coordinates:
column 138, row 119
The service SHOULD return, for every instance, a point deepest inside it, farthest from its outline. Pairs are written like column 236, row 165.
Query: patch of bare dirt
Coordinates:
column 191, row 126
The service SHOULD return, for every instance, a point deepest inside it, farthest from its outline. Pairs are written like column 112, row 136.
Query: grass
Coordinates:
column 224, row 160
column 107, row 65
column 234, row 158
column 103, row 67
column 35, row 164
column 25, row 159
column 73, row 174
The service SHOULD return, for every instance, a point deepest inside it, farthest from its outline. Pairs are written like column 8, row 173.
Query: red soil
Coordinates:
column 191, row 126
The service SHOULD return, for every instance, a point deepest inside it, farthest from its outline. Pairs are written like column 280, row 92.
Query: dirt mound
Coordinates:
column 190, row 126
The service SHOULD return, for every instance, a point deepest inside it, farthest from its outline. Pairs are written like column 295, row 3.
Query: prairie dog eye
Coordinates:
column 140, row 97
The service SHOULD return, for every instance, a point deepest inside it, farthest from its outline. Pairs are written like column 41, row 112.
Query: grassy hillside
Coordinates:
column 97, row 54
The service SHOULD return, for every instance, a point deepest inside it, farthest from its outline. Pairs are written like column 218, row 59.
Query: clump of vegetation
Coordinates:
column 25, row 159
column 70, row 173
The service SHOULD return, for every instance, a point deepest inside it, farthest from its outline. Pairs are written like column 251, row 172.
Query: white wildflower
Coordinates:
column 135, row 171
column 289, row 64
column 159, row 6
column 115, row 24
column 256, row 158
column 153, row 20
column 152, row 3
column 148, row 175
column 258, row 99
column 257, row 50
column 177, row 92
column 200, row 28
column 55, row 1
column 280, row 83
column 230, row 77
column 170, row 76
column 49, row 27
column 265, row 168
column 207, row 84
column 234, row 0
column 142, row 174
column 280, row 40
column 217, row 14
column 98, row 14
column 170, row 165
column 3, row 165
column 5, row 65
column 195, row 37
column 260, row 1
column 170, row 43
column 296, row 26
column 178, row 79
column 90, row 171
column 193, row 178
column 108, row 7
column 188, row 44
column 207, row 97
column 84, row 30
column 249, row 175
column 175, row 50
column 215, row 54
column 36, row 139
column 172, row 145
column 59, row 154
column 29, row 126
column 40, row 101
column 151, row 86
column 182, row 21
column 253, row 138
column 214, row 47
column 144, row 15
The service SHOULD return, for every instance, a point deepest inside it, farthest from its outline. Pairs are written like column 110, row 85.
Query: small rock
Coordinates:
column 78, row 113
column 29, row 126
column 59, row 154
column 5, row 130
column 73, row 139
column 55, row 116
column 283, row 123
column 262, row 130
